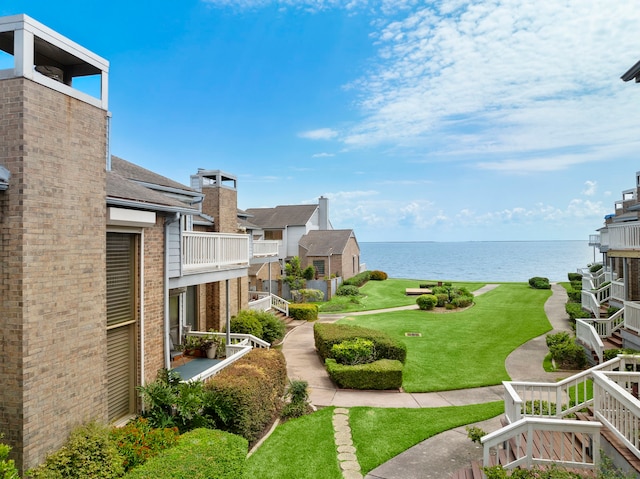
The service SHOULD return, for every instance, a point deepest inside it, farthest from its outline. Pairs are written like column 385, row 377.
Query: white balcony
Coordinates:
column 203, row 252
column 624, row 237
column 264, row 248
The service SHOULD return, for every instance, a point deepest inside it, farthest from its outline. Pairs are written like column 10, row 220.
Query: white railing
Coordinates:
column 263, row 301
column 588, row 332
column 264, row 248
column 623, row 237
column 632, row 315
column 212, row 251
column 594, row 240
column 517, row 441
column 618, row 290
column 616, row 407
column 612, row 402
column 604, row 239
column 240, row 345
column 589, row 302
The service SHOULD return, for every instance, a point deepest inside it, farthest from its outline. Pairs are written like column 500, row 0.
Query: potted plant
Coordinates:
column 210, row 344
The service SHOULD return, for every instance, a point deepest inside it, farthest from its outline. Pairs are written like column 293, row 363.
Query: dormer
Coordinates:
column 46, row 57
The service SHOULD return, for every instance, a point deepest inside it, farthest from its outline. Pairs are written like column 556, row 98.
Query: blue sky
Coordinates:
column 421, row 121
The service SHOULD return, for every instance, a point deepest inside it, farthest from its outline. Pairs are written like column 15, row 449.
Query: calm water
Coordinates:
column 478, row 260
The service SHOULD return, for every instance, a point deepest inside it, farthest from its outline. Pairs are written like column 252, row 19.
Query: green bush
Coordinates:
column 298, row 400
column 442, row 299
column 427, row 301
column 200, row 454
column 246, row 397
column 309, row 273
column 611, row 310
column 565, row 352
column 138, row 441
column 574, row 277
column 171, row 403
column 378, row 275
column 348, row 290
column 576, row 285
column 303, row 312
column 612, row 353
column 8, row 468
column 538, row 282
column 462, row 301
column 575, row 311
column 575, row 295
column 328, row 334
column 354, row 351
column 359, row 279
column 88, row 453
column 246, row 322
column 307, row 295
column 380, row 374
column 595, row 268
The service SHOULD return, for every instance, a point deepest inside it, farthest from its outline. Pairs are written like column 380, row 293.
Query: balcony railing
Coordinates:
column 632, row 315
column 213, row 251
column 264, row 248
column 624, row 237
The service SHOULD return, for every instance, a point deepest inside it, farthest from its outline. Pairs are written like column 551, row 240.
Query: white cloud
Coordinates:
column 590, row 188
column 319, row 134
column 323, row 155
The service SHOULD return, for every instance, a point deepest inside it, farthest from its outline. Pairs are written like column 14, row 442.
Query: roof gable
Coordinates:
column 326, row 242
column 281, row 216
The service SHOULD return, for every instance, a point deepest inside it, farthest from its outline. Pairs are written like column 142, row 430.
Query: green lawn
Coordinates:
column 381, row 295
column 464, row 349
column 304, row 448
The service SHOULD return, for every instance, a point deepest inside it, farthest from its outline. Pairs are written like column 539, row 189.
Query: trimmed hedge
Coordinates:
column 359, row 279
column 200, row 454
column 304, row 311
column 247, row 396
column 574, row 295
column 574, row 310
column 380, row 374
column 538, row 282
column 377, row 275
column 574, row 277
column 327, row 334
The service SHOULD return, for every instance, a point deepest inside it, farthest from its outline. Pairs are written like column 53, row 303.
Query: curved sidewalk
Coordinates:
column 441, row 455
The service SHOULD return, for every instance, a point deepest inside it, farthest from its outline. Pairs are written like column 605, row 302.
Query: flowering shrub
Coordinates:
column 138, row 441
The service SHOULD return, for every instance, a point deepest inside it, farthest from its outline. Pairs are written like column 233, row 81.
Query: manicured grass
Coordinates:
column 464, row 349
column 302, row 448
column 381, row 295
column 380, row 434
column 305, row 448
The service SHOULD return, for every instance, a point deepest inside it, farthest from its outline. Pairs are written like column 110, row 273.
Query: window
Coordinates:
column 319, row 266
column 273, row 235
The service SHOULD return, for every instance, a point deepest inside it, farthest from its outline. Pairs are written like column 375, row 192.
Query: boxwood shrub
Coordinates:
column 200, row 454
column 380, row 374
column 575, row 295
column 328, row 334
column 303, row 311
column 427, row 302
column 575, row 311
column 262, row 324
column 247, row 396
column 359, row 279
column 574, row 277
column 348, row 290
column 537, row 282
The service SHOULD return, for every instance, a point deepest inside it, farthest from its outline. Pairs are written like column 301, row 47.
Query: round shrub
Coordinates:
column 348, row 290
column 462, row 301
column 309, row 273
column 246, row 322
column 378, row 275
column 538, row 282
column 273, row 328
column 442, row 299
column 427, row 301
column 354, row 351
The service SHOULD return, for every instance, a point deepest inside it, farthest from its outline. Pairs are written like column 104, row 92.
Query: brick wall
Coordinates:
column 154, row 299
column 222, row 204
column 52, row 267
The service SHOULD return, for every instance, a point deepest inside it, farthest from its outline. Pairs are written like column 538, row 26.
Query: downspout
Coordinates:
column 167, row 348
column 142, row 355
column 228, row 312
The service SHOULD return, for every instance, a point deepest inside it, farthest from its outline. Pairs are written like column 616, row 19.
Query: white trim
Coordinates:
column 126, row 217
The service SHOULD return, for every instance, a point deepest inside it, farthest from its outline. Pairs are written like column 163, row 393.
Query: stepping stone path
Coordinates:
column 344, row 444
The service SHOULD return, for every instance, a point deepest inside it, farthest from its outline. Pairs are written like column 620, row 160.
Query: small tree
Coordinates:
column 293, row 273
column 309, row 273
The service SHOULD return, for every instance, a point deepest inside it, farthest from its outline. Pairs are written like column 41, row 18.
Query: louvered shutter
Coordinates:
column 120, row 324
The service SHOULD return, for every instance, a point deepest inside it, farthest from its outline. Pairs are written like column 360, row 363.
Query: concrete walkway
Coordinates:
column 441, row 455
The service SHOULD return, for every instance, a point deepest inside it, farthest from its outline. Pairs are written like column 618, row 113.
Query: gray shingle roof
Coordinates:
column 281, row 216
column 137, row 173
column 325, row 242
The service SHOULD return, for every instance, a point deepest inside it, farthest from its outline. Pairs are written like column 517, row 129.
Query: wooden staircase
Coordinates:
column 572, row 442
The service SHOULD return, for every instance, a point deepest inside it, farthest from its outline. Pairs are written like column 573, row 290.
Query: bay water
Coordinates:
column 498, row 261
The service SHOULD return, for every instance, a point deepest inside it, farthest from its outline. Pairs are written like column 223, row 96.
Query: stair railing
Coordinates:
column 589, row 332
